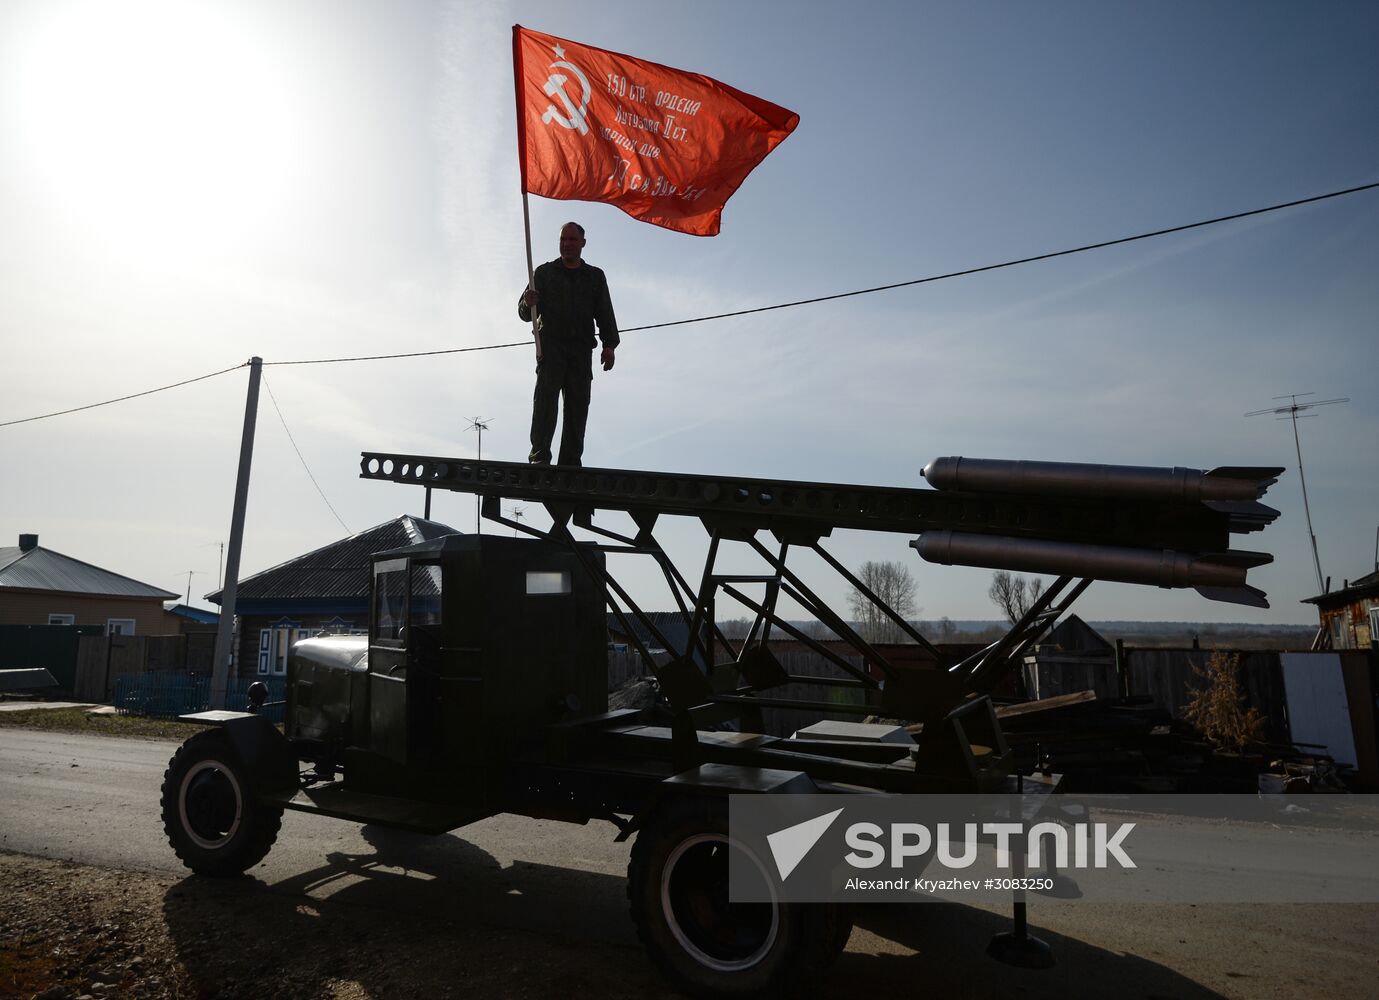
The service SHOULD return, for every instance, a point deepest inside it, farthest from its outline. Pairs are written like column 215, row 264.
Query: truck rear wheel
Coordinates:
column 677, row 885
column 210, row 815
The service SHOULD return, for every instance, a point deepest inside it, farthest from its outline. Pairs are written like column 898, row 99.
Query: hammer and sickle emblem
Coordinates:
column 574, row 117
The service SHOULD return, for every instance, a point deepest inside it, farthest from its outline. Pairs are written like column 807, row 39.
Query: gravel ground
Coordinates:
column 70, row 931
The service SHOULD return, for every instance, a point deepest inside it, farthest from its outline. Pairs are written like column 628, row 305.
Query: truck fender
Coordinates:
column 719, row 781
column 267, row 756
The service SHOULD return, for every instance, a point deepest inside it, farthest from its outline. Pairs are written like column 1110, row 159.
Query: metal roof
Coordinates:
column 43, row 569
column 1366, row 586
column 198, row 615
column 340, row 569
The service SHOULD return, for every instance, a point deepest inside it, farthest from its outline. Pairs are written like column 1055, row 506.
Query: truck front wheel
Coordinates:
column 678, row 889
column 210, row 815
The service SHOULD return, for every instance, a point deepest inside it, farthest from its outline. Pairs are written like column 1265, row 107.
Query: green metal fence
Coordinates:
column 53, row 647
column 169, row 694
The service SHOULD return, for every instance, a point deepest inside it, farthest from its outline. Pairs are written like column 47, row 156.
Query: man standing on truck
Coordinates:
column 568, row 297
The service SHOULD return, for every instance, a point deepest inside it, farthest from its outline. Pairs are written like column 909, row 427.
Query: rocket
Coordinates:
column 1219, row 576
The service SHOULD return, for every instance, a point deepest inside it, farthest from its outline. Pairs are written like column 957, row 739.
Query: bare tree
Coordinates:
column 891, row 582
column 818, row 630
column 1014, row 595
column 735, row 628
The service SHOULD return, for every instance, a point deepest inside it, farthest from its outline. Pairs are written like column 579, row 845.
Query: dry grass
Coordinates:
column 80, row 720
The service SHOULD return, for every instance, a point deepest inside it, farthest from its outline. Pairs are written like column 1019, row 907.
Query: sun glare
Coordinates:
column 156, row 128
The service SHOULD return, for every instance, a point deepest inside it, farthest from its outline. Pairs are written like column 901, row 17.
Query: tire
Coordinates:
column 213, row 822
column 839, row 918
column 677, row 885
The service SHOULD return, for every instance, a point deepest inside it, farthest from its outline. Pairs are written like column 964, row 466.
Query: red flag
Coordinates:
column 666, row 146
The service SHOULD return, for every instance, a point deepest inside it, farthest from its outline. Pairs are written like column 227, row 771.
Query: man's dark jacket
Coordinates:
column 570, row 300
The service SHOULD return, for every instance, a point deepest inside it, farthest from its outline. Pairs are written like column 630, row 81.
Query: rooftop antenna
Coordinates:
column 220, row 568
column 1291, row 412
column 479, row 424
column 516, row 514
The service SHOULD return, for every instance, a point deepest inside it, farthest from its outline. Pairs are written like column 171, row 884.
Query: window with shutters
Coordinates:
column 275, row 644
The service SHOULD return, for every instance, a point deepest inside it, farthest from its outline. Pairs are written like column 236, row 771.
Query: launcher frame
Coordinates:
column 702, row 687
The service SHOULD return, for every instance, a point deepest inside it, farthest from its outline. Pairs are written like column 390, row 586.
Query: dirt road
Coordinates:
column 518, row 907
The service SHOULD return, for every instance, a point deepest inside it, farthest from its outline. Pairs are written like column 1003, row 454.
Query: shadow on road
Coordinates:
column 949, row 959
column 437, row 916
column 415, row 916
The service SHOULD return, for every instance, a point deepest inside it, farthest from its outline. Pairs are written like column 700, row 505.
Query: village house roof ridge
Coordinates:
column 1359, row 587
column 336, row 569
column 40, row 568
column 1074, row 634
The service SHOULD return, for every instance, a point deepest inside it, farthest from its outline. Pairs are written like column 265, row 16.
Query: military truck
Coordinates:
column 482, row 685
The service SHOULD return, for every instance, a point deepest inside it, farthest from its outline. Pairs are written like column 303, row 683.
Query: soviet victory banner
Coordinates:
column 666, row 146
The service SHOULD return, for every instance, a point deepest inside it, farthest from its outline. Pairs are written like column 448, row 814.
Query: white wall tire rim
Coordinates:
column 683, row 938
column 210, row 844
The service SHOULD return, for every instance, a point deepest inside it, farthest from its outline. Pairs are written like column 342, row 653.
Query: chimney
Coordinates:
column 27, row 543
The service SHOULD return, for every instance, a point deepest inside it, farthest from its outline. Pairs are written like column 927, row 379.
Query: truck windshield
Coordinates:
column 389, row 601
column 426, row 595
column 396, row 606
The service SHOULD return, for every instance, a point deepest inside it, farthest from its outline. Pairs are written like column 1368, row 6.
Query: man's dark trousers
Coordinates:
column 558, row 376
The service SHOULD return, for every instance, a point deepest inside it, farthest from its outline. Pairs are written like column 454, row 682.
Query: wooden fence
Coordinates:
column 1169, row 677
column 103, row 659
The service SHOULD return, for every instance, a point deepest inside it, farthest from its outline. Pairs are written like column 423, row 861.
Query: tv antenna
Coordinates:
column 220, row 570
column 1292, row 411
column 516, row 514
column 479, row 424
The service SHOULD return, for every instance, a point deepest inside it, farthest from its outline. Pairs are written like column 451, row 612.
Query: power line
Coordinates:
column 136, row 395
column 898, row 284
column 299, row 456
column 758, row 309
column 1013, row 263
column 390, row 357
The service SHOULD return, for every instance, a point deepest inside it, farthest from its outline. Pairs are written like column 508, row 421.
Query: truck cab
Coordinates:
column 476, row 644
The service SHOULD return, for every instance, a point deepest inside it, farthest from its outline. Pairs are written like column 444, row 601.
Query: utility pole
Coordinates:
column 1290, row 412
column 479, row 424
column 190, row 572
column 220, row 672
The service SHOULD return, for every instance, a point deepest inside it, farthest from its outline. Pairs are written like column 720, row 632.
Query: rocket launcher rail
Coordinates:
column 804, row 509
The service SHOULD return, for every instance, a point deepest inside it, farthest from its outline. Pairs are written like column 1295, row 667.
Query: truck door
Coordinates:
column 388, row 621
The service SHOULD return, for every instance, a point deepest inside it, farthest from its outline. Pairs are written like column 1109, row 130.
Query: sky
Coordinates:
column 184, row 185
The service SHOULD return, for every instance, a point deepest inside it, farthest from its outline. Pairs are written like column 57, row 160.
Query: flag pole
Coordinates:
column 531, row 279
column 522, row 168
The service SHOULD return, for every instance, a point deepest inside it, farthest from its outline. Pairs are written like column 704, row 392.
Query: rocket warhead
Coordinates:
column 1217, row 576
